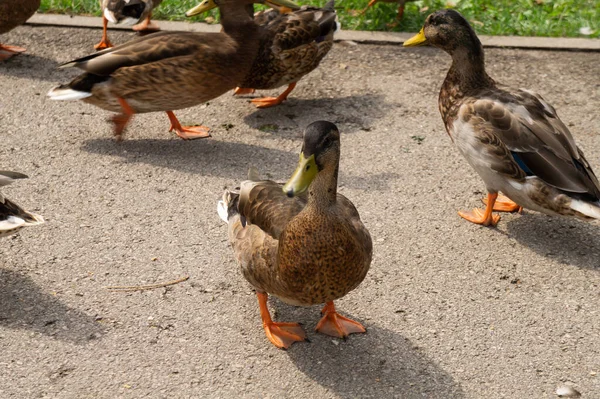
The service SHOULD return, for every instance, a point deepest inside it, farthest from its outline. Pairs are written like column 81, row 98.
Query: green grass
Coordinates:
column 559, row 18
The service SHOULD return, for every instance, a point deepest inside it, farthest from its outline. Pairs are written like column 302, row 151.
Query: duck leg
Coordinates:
column 337, row 325
column 147, row 25
column 187, row 132
column 504, row 204
column 104, row 42
column 282, row 335
column 7, row 51
column 485, row 218
column 121, row 120
column 400, row 10
column 241, row 91
column 371, row 4
column 266, row 102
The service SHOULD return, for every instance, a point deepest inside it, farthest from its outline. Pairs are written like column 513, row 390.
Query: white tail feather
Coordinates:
column 222, row 211
column 67, row 94
column 11, row 223
column 587, row 208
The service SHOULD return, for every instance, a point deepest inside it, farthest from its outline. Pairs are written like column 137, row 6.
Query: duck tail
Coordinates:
column 127, row 12
column 79, row 88
column 14, row 217
column 228, row 206
column 589, row 209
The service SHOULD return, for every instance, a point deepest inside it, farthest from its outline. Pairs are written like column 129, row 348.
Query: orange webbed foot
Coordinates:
column 187, row 132
column 103, row 45
column 266, row 102
column 504, row 204
column 283, row 335
column 336, row 325
column 146, row 26
column 479, row 216
column 241, row 91
column 7, row 51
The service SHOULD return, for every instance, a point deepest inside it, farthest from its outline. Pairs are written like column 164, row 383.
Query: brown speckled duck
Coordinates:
column 302, row 242
column 12, row 217
column 12, row 14
column 166, row 71
column 128, row 12
column 513, row 138
column 292, row 45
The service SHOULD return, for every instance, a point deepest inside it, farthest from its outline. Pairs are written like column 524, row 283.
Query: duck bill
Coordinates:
column 203, row 7
column 303, row 175
column 282, row 4
column 417, row 40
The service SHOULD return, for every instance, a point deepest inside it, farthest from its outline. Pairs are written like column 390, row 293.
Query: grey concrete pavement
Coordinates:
column 453, row 310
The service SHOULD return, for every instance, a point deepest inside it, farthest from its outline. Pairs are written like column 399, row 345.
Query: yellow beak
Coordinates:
column 303, row 175
column 417, row 40
column 203, row 7
column 208, row 5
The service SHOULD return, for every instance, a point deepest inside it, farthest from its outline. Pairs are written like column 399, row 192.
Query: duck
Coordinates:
column 513, row 138
column 167, row 71
column 293, row 44
column 401, row 4
column 13, row 217
column 12, row 14
column 128, row 12
column 301, row 242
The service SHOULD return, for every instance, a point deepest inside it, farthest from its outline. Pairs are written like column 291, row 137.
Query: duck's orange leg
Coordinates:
column 7, row 51
column 487, row 217
column 121, row 120
column 187, row 132
column 241, row 91
column 336, row 325
column 400, row 12
column 266, row 102
column 104, row 42
column 146, row 25
column 371, row 4
column 282, row 335
column 504, row 204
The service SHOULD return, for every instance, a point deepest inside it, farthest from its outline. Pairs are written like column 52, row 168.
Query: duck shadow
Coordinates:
column 30, row 66
column 569, row 241
column 378, row 364
column 370, row 182
column 23, row 305
column 205, row 157
column 355, row 113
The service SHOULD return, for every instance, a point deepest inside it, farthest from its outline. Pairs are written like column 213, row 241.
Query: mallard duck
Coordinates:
column 401, row 4
column 302, row 242
column 128, row 12
column 166, row 71
column 12, row 14
column 292, row 45
column 513, row 138
column 12, row 217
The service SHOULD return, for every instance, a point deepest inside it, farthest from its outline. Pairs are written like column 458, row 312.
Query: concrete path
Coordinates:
column 453, row 310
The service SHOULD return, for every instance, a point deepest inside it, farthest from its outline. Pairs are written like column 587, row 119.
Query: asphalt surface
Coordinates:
column 453, row 310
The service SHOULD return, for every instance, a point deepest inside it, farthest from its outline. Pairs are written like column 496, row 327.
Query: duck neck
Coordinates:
column 468, row 67
column 322, row 192
column 466, row 75
column 237, row 21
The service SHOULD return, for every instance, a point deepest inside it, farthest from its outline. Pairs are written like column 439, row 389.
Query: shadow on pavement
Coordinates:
column 378, row 364
column 29, row 66
column 205, row 157
column 570, row 241
column 24, row 306
column 357, row 112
